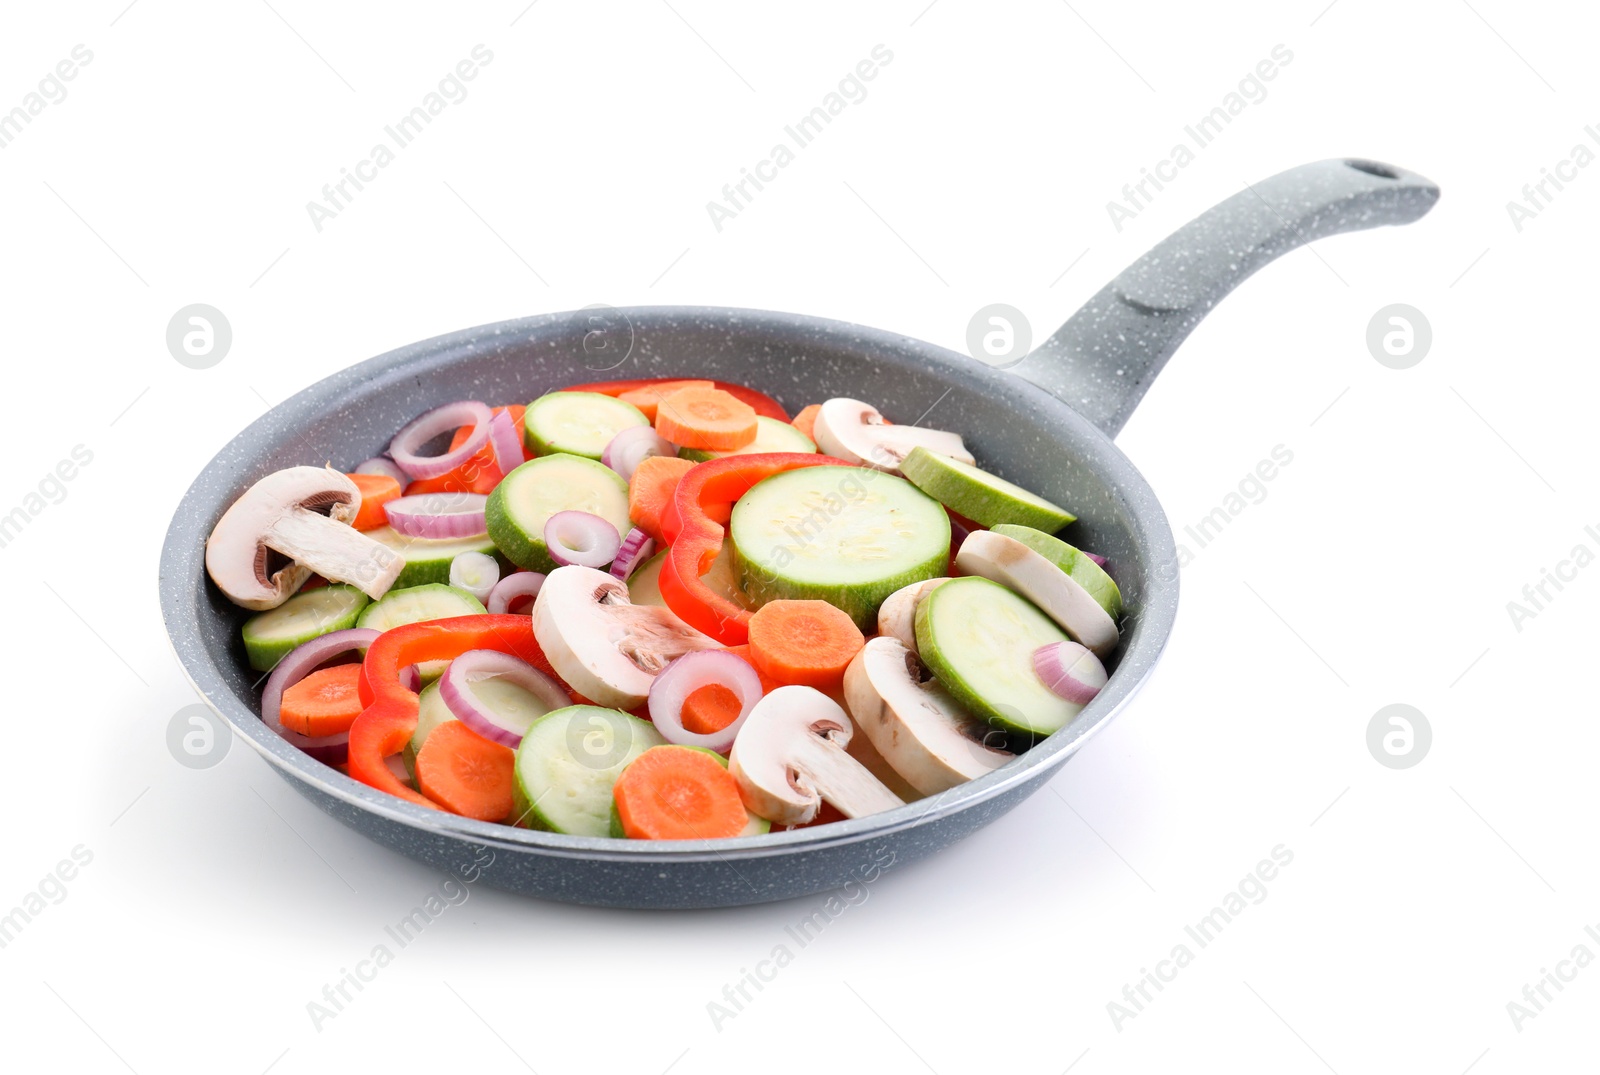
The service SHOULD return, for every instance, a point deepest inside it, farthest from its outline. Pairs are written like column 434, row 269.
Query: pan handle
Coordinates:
column 1103, row 360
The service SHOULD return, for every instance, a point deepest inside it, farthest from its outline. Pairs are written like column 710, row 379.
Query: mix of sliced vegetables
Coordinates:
column 656, row 610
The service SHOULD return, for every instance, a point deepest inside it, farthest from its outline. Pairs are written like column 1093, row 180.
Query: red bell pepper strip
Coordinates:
column 692, row 525
column 764, row 405
column 390, row 714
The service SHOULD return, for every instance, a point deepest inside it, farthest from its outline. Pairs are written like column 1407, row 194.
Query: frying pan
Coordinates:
column 1046, row 424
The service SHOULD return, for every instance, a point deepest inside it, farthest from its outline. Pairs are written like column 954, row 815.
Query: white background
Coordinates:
column 1419, row 502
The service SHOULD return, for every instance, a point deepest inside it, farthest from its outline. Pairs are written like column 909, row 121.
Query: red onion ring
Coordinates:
column 688, row 674
column 438, row 515
column 505, row 442
column 1070, row 670
column 295, row 666
column 475, row 572
column 632, row 446
column 450, row 417
column 474, row 666
column 577, row 537
column 515, row 585
column 379, row 464
column 1100, row 561
column 635, row 550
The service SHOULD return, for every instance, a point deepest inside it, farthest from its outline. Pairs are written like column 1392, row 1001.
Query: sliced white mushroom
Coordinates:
column 303, row 514
column 1012, row 564
column 607, row 649
column 918, row 728
column 854, row 431
column 790, row 757
column 897, row 616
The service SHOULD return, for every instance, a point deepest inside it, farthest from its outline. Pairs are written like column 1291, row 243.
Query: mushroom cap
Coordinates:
column 918, row 728
column 1013, row 565
column 781, row 732
column 607, row 649
column 237, row 555
column 856, row 432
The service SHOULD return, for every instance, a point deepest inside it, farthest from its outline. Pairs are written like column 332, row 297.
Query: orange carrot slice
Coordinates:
column 648, row 398
column 809, row 643
column 708, row 709
column 678, row 793
column 376, row 491
column 806, row 420
column 706, row 418
column 650, row 490
column 324, row 703
column 466, row 773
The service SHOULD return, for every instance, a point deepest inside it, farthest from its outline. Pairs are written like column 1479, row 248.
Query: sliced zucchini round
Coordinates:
column 771, row 436
column 568, row 763
column 844, row 535
column 985, row 498
column 577, row 423
column 428, row 559
column 414, row 604
column 978, row 639
column 644, row 585
column 525, row 499
column 1082, row 570
column 270, row 635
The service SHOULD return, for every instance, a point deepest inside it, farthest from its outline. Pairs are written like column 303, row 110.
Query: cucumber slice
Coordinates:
column 1082, row 570
column 525, row 499
column 844, row 535
column 978, row 638
column 431, row 712
column 982, row 497
column 577, row 423
column 644, row 585
column 417, row 603
column 771, row 436
column 427, row 559
column 568, row 763
column 270, row 635
column 414, row 604
column 755, row 826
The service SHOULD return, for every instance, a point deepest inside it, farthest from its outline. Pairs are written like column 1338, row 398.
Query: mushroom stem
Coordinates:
column 652, row 637
column 335, row 550
column 822, row 763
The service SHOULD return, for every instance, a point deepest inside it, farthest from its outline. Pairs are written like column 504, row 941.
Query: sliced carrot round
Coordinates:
column 706, row 418
column 808, row 643
column 324, row 703
column 678, row 793
column 709, row 709
column 649, row 397
column 376, row 491
column 466, row 773
column 806, row 420
column 651, row 488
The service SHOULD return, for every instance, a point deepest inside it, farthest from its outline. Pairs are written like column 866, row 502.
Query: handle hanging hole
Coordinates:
column 1382, row 171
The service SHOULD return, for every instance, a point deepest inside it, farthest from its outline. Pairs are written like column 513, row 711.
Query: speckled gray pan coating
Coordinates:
column 1024, row 433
